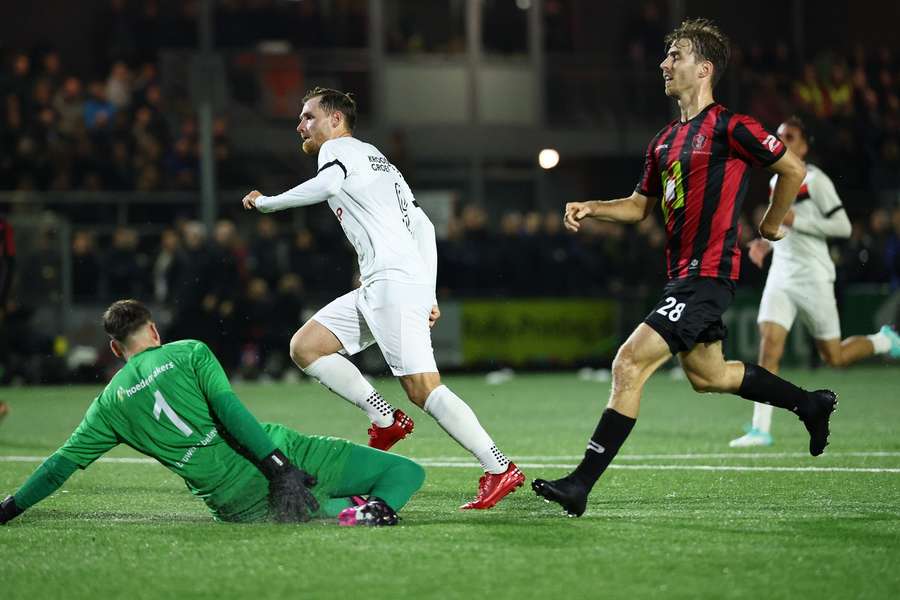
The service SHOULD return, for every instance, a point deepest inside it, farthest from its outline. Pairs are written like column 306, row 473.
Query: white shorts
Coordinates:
column 393, row 315
column 813, row 301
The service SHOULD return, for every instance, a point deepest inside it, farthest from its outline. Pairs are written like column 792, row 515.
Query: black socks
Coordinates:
column 762, row 386
column 611, row 432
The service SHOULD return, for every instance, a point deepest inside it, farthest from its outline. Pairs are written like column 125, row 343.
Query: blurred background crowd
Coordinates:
column 85, row 131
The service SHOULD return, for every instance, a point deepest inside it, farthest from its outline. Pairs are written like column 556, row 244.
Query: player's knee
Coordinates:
column 418, row 387
column 302, row 354
column 415, row 473
column 625, row 367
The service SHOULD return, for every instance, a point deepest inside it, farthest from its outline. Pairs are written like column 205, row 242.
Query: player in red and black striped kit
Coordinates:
column 698, row 167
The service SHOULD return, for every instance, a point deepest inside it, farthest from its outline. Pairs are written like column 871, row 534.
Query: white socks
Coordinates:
column 457, row 419
column 762, row 416
column 343, row 378
column 881, row 342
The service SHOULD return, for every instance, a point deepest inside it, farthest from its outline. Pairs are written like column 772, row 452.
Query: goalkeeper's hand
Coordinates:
column 290, row 500
column 9, row 510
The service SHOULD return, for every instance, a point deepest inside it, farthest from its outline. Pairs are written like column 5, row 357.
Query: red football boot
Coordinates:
column 493, row 488
column 383, row 438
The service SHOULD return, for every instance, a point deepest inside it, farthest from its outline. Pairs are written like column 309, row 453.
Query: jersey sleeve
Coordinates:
column 650, row 184
column 93, row 438
column 830, row 219
column 45, row 480
column 754, row 143
column 211, row 377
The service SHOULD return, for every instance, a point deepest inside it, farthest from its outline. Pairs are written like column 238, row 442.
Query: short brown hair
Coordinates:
column 797, row 122
column 334, row 100
column 707, row 43
column 124, row 317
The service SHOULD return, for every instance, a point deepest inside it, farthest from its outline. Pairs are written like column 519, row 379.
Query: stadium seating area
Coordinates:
column 60, row 131
column 115, row 128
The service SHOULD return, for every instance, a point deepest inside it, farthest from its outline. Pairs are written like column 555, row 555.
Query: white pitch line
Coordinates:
column 426, row 463
column 699, row 456
column 458, row 464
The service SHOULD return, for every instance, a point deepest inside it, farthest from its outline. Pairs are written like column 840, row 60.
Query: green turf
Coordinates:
column 133, row 531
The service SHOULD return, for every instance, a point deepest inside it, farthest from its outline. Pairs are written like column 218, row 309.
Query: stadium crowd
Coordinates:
column 62, row 132
column 117, row 128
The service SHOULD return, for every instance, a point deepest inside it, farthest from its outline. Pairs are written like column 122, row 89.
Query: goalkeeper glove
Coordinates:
column 9, row 510
column 290, row 500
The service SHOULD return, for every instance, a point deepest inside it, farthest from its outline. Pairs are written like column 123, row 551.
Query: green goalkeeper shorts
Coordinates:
column 322, row 457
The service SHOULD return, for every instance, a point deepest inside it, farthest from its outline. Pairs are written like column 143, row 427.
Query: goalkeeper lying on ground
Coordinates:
column 175, row 404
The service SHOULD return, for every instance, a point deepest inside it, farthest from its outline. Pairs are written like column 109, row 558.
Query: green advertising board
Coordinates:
column 539, row 332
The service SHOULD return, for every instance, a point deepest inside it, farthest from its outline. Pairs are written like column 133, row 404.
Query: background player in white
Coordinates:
column 395, row 305
column 801, row 283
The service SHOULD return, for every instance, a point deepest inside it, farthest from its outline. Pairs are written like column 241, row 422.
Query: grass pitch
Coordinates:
column 679, row 515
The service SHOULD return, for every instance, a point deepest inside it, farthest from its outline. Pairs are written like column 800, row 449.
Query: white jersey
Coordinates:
column 802, row 255
column 393, row 237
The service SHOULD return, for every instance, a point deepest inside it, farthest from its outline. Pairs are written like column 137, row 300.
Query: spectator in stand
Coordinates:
column 118, row 86
column 268, row 252
column 808, row 93
column 257, row 335
column 98, row 110
column 227, row 276
column 196, row 306
column 86, row 267
column 69, row 104
column 839, row 91
column 125, row 267
column 167, row 267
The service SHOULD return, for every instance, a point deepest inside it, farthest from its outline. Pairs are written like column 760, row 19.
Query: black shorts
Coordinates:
column 690, row 312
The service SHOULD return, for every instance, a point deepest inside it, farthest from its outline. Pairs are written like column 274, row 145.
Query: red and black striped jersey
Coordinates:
column 700, row 170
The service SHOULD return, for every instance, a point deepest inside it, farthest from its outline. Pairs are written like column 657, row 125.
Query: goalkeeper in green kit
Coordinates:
column 174, row 403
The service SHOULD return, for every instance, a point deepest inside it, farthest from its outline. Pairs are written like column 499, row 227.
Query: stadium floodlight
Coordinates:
column 548, row 158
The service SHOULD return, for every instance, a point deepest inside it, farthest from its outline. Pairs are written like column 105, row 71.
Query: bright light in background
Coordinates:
column 548, row 158
column 523, row 4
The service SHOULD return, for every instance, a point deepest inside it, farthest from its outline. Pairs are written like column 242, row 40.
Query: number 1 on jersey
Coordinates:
column 163, row 406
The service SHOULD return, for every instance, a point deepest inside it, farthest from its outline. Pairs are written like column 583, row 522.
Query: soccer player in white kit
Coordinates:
column 801, row 283
column 395, row 305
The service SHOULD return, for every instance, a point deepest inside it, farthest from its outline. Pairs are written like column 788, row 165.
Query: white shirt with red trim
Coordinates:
column 802, row 255
column 393, row 237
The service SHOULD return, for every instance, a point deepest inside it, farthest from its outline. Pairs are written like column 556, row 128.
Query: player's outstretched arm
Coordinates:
column 45, row 480
column 632, row 209
column 327, row 183
column 790, row 171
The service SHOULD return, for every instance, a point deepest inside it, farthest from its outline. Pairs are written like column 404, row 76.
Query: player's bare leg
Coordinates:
column 641, row 354
column 708, row 371
column 772, row 339
column 314, row 348
column 841, row 353
column 837, row 353
column 4, row 410
column 456, row 418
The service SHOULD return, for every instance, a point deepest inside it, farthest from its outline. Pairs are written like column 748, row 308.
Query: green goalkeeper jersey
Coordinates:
column 159, row 403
